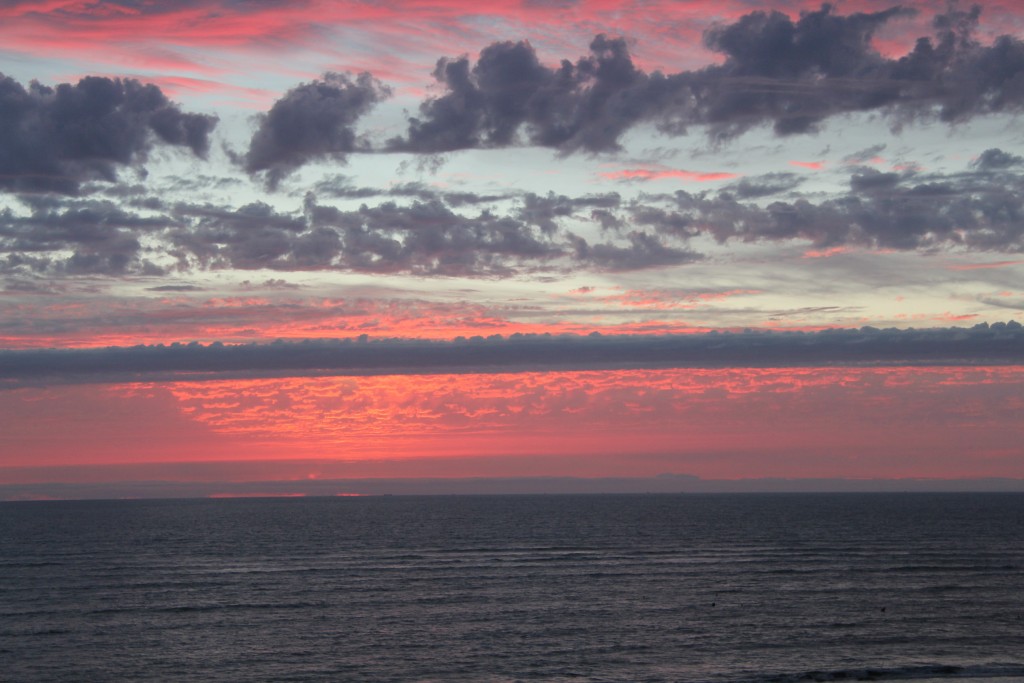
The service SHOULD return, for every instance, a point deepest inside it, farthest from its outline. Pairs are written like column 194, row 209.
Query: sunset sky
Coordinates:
column 294, row 241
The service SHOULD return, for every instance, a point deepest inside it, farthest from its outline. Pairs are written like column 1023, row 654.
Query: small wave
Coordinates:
column 209, row 608
column 946, row 568
column 242, row 606
column 907, row 673
column 37, row 632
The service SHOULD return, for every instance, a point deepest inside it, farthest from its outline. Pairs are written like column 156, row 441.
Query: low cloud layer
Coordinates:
column 998, row 344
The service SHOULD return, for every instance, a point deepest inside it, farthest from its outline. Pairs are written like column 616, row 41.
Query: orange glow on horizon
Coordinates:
column 722, row 423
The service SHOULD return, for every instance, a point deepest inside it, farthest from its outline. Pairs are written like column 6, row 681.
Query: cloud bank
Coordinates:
column 998, row 344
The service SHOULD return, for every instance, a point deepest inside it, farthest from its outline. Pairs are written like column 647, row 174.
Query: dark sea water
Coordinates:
column 551, row 588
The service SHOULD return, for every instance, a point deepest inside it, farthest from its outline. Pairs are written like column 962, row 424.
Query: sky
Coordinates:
column 304, row 242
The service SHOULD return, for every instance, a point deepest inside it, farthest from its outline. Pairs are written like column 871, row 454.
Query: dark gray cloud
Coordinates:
column 426, row 237
column 547, row 211
column 1015, row 303
column 998, row 344
column 792, row 75
column 764, row 185
column 642, row 250
column 341, row 187
column 789, row 74
column 468, row 235
column 312, row 121
column 881, row 210
column 870, row 180
column 272, row 283
column 55, row 139
column 252, row 236
column 508, row 97
column 429, row 238
column 102, row 239
column 996, row 160
column 864, row 155
column 176, row 288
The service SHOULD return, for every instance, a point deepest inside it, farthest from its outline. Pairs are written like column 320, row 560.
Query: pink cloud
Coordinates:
column 948, row 317
column 981, row 266
column 812, row 165
column 175, row 86
column 657, row 173
column 672, row 298
column 825, row 253
column 667, row 34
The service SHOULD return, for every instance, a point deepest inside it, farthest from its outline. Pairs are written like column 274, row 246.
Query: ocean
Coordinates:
column 744, row 587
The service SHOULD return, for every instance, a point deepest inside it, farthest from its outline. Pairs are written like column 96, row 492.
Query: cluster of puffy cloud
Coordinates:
column 796, row 74
column 981, row 209
column 90, row 236
column 424, row 237
column 54, row 139
column 419, row 230
column 983, row 344
column 790, row 74
column 312, row 121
